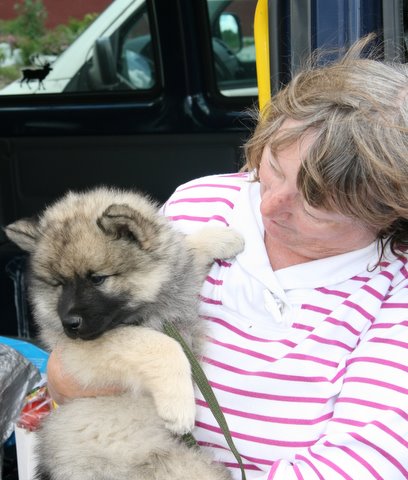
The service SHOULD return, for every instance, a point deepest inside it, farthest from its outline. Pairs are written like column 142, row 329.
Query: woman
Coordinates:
column 308, row 328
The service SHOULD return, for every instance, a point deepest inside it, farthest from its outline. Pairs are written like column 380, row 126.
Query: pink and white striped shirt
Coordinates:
column 309, row 363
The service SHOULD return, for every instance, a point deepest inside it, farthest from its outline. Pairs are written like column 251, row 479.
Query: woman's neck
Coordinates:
column 280, row 256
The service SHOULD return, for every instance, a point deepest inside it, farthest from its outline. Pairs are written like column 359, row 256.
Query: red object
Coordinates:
column 38, row 405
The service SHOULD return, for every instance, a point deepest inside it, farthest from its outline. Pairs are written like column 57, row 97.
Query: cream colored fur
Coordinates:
column 153, row 274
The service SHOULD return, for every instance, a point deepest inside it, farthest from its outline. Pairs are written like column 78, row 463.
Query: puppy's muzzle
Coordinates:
column 72, row 325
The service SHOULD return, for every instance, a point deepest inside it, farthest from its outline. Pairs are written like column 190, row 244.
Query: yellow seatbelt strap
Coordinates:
column 261, row 37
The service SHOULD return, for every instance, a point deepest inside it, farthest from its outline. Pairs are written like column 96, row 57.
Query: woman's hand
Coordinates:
column 64, row 387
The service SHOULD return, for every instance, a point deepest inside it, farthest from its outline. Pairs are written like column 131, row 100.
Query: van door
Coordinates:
column 157, row 97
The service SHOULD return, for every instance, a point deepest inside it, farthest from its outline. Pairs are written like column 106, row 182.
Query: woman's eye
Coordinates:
column 320, row 217
column 274, row 167
column 310, row 215
column 98, row 279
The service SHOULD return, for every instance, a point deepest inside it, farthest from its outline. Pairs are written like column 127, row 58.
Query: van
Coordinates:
column 150, row 95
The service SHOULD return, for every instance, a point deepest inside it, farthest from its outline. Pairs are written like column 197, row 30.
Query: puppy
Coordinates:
column 106, row 272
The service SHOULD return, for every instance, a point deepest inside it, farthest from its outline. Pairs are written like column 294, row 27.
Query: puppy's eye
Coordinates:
column 50, row 281
column 98, row 279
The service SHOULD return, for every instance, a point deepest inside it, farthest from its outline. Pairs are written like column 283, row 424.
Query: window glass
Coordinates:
column 136, row 60
column 106, row 46
column 233, row 46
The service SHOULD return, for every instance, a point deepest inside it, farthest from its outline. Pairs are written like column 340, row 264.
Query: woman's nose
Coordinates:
column 279, row 202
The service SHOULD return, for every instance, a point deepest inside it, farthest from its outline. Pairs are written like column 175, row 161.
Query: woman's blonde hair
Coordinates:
column 357, row 109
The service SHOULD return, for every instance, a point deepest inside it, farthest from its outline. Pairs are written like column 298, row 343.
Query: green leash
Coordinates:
column 208, row 394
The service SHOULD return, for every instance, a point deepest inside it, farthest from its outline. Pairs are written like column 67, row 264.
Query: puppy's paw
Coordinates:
column 178, row 412
column 229, row 242
column 217, row 242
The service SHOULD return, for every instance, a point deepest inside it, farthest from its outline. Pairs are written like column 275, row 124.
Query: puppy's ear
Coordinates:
column 123, row 222
column 24, row 233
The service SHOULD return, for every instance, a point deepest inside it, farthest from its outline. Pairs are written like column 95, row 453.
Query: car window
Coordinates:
column 136, row 62
column 105, row 50
column 103, row 46
column 233, row 46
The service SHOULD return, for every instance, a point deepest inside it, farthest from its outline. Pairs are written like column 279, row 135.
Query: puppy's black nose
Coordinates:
column 71, row 324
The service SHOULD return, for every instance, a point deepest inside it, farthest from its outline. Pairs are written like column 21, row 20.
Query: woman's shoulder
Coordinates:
column 220, row 182
column 206, row 199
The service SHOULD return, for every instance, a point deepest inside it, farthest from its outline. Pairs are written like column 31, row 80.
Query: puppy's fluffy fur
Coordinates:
column 106, row 272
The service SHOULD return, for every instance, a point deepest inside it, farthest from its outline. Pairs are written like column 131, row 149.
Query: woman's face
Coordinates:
column 290, row 223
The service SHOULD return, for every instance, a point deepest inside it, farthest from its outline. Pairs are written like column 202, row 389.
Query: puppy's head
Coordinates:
column 96, row 259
